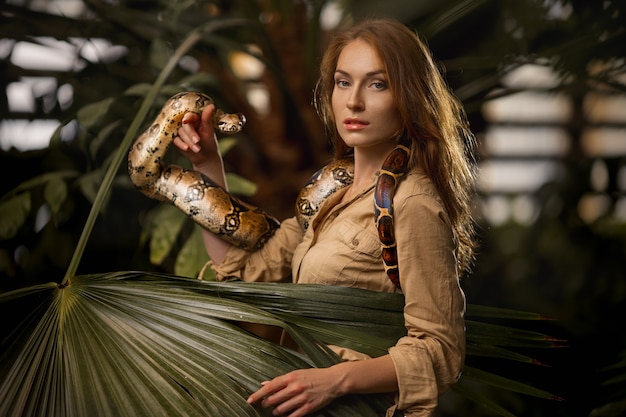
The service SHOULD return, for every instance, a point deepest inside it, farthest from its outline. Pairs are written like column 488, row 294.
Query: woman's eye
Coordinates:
column 342, row 83
column 379, row 85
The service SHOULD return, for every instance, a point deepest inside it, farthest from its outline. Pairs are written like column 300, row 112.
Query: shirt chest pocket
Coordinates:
column 352, row 254
column 355, row 238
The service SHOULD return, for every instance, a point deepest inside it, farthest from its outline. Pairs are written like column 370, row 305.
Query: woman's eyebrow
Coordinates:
column 369, row 74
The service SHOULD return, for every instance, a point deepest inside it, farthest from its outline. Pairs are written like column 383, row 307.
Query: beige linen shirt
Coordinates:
column 342, row 248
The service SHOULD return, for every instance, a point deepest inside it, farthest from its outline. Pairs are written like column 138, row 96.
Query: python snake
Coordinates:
column 235, row 221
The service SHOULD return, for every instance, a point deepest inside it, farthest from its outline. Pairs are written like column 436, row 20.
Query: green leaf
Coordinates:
column 493, row 334
column 56, row 138
column 160, row 53
column 505, row 383
column 226, row 144
column 482, row 311
column 198, row 80
column 496, row 352
column 167, row 223
column 140, row 90
column 169, row 90
column 239, row 185
column 438, row 22
column 192, row 257
column 92, row 114
column 103, row 136
column 55, row 194
column 90, row 182
column 13, row 214
column 479, row 398
column 41, row 180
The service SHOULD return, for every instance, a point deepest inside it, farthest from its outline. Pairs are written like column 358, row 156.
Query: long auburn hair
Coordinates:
column 434, row 119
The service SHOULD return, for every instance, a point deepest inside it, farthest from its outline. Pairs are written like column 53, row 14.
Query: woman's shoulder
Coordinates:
column 417, row 183
column 416, row 193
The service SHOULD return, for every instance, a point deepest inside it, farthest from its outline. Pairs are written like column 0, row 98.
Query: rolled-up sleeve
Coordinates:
column 429, row 359
column 271, row 263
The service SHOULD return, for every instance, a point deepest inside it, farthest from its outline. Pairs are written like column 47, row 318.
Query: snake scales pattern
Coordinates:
column 235, row 221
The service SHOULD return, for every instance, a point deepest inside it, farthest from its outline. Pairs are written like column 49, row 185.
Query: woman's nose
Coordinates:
column 355, row 101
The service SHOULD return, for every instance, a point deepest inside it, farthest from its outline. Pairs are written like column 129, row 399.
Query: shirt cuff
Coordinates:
column 417, row 384
column 231, row 266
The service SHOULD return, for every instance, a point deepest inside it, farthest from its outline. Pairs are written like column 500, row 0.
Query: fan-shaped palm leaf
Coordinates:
column 122, row 345
column 152, row 344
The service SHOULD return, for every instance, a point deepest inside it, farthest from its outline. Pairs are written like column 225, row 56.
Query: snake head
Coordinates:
column 231, row 123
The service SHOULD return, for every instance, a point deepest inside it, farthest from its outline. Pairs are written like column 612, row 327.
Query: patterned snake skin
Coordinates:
column 247, row 227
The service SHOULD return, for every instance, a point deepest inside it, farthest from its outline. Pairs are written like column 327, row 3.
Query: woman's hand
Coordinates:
column 306, row 390
column 196, row 138
column 300, row 392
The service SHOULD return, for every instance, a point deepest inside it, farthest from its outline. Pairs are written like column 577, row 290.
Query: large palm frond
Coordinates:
column 131, row 343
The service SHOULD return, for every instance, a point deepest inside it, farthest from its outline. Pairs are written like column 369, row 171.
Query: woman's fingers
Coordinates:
column 267, row 388
column 193, row 125
column 275, row 394
column 294, row 406
column 296, row 393
column 207, row 115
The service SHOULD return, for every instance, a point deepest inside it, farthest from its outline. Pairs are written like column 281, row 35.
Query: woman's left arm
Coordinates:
column 429, row 359
column 422, row 364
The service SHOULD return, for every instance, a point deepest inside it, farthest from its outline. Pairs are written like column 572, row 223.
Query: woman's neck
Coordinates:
column 367, row 162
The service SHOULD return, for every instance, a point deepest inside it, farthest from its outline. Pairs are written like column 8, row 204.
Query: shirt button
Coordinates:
column 355, row 242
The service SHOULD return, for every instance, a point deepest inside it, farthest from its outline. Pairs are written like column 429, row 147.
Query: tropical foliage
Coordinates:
column 69, row 211
column 131, row 343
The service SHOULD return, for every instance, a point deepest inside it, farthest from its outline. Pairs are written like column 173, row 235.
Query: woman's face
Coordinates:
column 365, row 113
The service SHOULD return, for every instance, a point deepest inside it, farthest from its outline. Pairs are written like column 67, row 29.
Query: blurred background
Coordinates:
column 543, row 83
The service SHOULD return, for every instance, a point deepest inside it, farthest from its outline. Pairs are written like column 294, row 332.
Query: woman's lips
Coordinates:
column 354, row 124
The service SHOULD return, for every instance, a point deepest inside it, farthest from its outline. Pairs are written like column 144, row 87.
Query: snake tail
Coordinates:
column 394, row 167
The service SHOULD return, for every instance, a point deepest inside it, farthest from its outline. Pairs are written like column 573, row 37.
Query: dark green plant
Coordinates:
column 613, row 389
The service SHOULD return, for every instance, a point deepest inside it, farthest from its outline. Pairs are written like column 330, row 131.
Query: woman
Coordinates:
column 378, row 83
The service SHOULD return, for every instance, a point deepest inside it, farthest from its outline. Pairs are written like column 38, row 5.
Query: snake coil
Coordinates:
column 235, row 221
column 208, row 204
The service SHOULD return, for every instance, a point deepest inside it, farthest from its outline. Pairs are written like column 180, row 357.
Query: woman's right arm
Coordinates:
column 196, row 140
